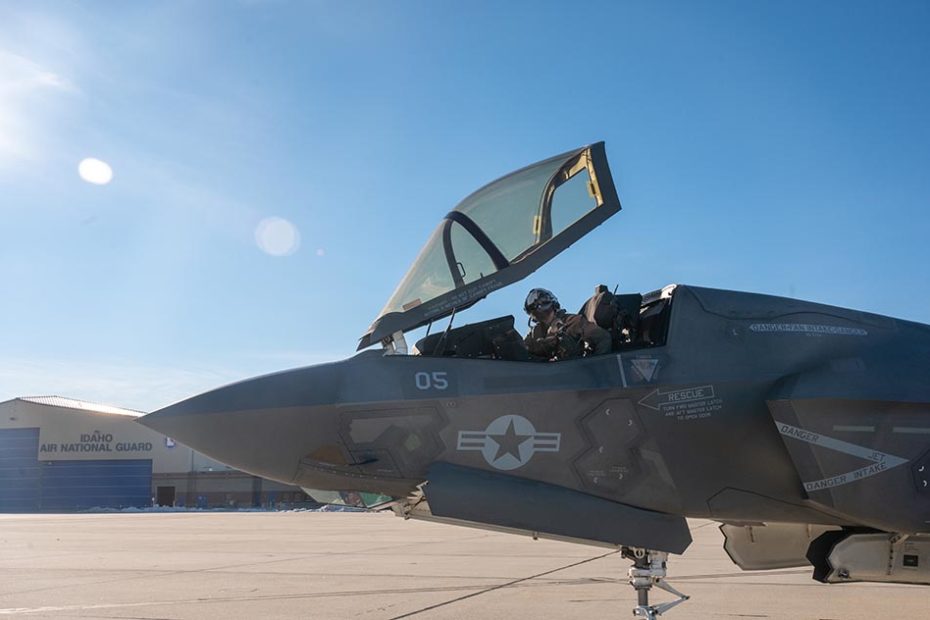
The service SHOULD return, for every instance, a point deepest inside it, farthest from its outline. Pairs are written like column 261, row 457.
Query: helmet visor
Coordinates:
column 539, row 301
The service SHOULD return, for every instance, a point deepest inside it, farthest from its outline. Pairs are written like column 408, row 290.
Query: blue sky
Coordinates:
column 778, row 147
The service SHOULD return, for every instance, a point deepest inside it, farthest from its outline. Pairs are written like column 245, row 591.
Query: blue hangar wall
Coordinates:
column 28, row 484
column 60, row 455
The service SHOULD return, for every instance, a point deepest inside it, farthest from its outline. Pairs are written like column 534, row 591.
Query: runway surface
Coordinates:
column 378, row 567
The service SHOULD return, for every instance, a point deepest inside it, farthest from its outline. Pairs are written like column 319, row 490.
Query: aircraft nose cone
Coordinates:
column 263, row 426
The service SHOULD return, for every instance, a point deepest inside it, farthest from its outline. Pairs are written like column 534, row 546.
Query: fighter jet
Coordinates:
column 804, row 429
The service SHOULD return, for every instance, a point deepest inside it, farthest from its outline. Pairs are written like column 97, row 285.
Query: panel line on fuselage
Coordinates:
column 622, row 372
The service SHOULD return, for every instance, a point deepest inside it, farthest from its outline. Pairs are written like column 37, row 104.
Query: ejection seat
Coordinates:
column 618, row 314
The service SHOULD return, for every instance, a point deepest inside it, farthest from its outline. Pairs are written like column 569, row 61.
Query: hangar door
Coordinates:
column 78, row 485
column 28, row 485
column 20, row 473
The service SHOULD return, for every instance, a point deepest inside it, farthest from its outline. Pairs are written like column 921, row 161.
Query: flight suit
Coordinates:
column 566, row 336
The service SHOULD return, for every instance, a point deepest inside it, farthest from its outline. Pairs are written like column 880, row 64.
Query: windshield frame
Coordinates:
column 546, row 247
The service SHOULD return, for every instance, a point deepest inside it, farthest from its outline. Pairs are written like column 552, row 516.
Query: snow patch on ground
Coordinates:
column 133, row 509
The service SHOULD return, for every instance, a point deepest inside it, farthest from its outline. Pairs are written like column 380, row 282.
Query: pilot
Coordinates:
column 559, row 335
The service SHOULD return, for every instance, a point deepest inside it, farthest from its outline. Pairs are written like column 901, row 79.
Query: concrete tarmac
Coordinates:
column 379, row 567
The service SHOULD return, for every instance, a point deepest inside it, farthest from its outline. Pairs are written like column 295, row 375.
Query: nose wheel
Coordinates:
column 648, row 570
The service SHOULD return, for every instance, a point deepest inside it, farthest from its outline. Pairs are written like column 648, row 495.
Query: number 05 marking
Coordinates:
column 431, row 380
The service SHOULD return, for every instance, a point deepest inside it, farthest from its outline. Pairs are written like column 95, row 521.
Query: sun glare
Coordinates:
column 95, row 171
column 277, row 236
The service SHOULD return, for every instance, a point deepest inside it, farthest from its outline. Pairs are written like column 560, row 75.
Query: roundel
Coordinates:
column 508, row 442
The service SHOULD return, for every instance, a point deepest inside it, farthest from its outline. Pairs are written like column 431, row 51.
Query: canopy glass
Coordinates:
column 499, row 234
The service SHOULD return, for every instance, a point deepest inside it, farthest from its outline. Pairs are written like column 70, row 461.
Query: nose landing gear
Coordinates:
column 648, row 570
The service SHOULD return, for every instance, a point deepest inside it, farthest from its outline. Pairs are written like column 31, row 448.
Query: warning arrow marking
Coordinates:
column 657, row 399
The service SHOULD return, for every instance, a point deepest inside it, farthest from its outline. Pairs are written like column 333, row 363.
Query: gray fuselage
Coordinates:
column 751, row 408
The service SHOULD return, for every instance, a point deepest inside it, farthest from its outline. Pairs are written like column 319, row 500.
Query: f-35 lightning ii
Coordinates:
column 804, row 429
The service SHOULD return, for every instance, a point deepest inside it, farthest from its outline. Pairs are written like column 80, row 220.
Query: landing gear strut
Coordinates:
column 649, row 569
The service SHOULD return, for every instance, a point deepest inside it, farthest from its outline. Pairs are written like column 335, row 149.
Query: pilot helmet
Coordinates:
column 540, row 299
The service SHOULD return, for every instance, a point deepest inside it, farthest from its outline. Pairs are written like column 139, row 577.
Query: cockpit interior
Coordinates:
column 500, row 234
column 633, row 321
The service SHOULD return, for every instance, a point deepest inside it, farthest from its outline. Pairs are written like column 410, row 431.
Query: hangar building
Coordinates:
column 59, row 454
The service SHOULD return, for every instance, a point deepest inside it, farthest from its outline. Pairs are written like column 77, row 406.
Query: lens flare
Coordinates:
column 277, row 236
column 95, row 171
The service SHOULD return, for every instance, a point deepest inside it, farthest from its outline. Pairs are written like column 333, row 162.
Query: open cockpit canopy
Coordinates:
column 500, row 234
